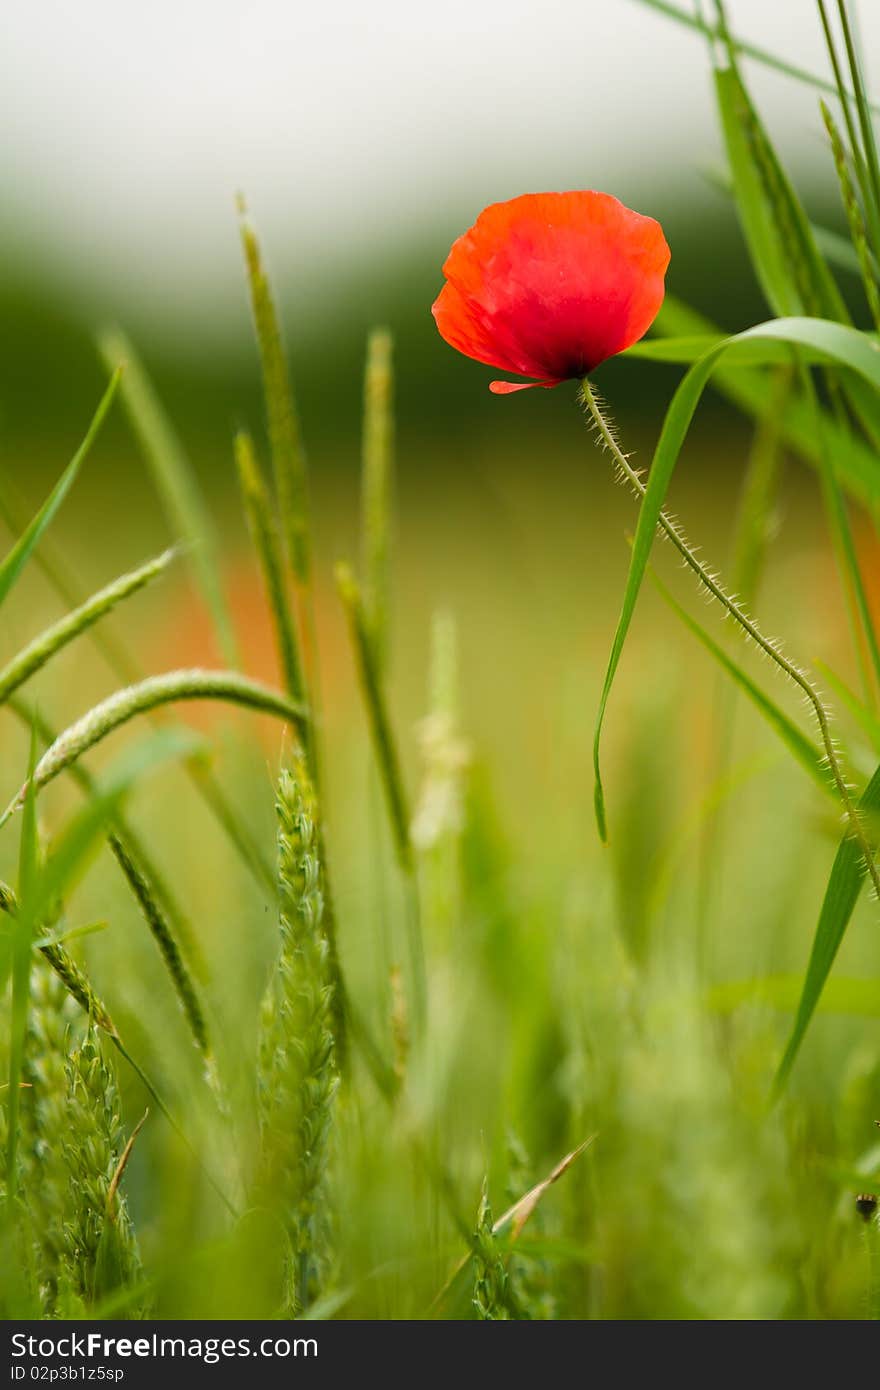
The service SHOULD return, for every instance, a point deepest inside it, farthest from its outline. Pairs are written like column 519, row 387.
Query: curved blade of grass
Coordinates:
column 802, row 748
column 751, row 392
column 13, row 563
column 126, row 704
column 841, row 343
column 174, row 478
column 35, row 655
column 749, row 50
column 841, row 895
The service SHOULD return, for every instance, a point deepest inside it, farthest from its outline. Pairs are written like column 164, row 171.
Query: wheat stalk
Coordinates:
column 297, row 1074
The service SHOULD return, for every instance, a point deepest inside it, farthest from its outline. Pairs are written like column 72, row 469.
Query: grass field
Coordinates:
column 321, row 994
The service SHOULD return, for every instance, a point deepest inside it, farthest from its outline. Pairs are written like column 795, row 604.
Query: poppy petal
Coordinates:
column 549, row 285
column 507, row 388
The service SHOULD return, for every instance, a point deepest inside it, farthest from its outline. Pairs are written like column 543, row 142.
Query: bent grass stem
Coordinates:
column 748, row 626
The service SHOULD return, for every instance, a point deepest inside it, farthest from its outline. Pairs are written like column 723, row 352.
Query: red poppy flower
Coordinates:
column 551, row 284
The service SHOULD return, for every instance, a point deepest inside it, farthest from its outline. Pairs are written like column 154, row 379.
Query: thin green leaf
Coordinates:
column 288, row 454
column 854, row 217
column 174, row 478
column 841, row 895
column 847, row 98
column 36, row 654
column 749, row 50
column 13, row 564
column 793, row 275
column 750, row 391
column 869, row 143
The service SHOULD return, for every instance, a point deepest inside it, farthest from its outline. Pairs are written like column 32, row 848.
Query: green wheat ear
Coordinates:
column 100, row 1248
column 494, row 1298
column 296, row 1071
column 53, row 1022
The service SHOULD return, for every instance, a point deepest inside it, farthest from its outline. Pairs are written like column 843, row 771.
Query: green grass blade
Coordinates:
column 847, row 99
column 185, row 987
column 38, row 652
column 802, row 748
column 841, row 895
column 749, row 50
column 792, row 273
column 376, row 485
column 869, row 142
column 855, row 220
column 835, row 249
column 174, row 478
column 13, row 563
column 843, row 344
column 285, row 439
column 261, row 524
column 751, row 392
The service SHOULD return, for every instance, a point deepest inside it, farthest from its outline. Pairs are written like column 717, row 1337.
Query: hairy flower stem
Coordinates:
column 748, row 626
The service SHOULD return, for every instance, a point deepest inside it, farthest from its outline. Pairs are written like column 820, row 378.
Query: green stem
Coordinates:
column 749, row 628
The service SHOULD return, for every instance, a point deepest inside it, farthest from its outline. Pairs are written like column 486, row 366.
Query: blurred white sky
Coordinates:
column 350, row 127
